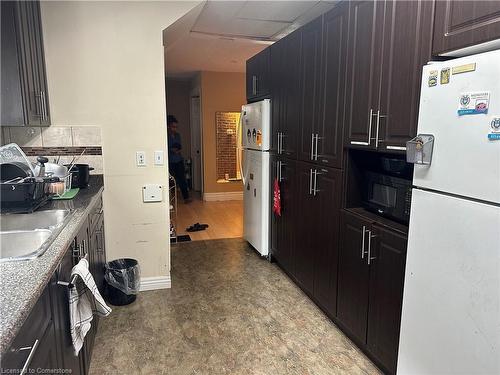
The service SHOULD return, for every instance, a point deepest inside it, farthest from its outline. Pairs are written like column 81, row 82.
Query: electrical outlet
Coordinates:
column 140, row 158
column 159, row 158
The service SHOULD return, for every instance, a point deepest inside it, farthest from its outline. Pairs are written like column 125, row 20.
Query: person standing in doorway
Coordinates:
column 175, row 159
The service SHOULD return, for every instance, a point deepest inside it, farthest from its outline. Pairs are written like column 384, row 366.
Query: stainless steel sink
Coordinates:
column 19, row 245
column 27, row 236
column 36, row 220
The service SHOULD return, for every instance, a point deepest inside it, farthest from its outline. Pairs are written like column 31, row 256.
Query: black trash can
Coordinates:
column 122, row 281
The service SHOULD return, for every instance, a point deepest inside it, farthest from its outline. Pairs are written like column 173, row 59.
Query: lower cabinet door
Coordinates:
column 327, row 193
column 60, row 295
column 387, row 271
column 305, row 222
column 352, row 299
column 45, row 358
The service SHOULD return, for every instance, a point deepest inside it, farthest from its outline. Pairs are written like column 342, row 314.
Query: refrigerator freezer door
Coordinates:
column 464, row 161
column 256, row 129
column 256, row 195
column 451, row 304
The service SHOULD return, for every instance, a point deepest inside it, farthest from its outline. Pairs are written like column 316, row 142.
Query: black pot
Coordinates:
column 80, row 175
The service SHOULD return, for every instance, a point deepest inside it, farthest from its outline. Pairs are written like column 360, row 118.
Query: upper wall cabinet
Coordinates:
column 258, row 76
column 460, row 24
column 407, row 47
column 24, row 98
column 389, row 42
column 363, row 76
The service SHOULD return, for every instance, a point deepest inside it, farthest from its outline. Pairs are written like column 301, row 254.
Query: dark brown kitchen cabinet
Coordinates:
column 24, row 97
column 366, row 23
column 370, row 286
column 407, row 47
column 35, row 346
column 283, row 227
column 389, row 42
column 305, row 218
column 60, row 301
column 258, row 76
column 327, row 193
column 352, row 299
column 285, row 103
column 461, row 24
column 329, row 133
column 318, row 200
column 310, row 76
column 387, row 271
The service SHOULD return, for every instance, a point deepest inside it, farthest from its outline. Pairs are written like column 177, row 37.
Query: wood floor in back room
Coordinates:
column 225, row 218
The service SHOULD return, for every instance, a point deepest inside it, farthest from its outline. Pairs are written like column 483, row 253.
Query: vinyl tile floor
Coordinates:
column 229, row 311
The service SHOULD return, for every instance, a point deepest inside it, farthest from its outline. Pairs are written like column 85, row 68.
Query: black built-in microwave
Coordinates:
column 387, row 195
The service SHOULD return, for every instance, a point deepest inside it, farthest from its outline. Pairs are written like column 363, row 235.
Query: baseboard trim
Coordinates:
column 154, row 283
column 228, row 196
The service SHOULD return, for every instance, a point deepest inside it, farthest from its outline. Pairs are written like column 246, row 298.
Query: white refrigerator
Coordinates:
column 451, row 304
column 255, row 143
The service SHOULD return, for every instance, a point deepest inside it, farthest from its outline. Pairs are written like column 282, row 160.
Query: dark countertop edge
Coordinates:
column 70, row 230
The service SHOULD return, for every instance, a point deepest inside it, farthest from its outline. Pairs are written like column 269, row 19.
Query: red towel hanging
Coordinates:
column 277, row 198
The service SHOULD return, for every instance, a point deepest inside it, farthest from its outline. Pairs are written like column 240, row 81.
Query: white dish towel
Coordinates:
column 84, row 301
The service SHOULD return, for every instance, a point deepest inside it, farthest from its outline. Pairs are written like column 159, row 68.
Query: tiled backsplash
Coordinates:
column 59, row 143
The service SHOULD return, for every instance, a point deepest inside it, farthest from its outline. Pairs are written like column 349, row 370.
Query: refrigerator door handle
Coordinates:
column 239, row 148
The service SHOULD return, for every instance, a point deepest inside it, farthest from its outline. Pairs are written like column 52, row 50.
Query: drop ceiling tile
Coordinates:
column 286, row 11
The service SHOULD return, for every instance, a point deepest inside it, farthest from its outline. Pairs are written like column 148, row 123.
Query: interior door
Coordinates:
column 352, row 298
column 328, row 193
column 335, row 32
column 366, row 19
column 309, row 83
column 387, row 272
column 407, row 48
column 196, row 142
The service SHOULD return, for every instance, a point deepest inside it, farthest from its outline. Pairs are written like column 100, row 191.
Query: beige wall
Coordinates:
column 105, row 68
column 219, row 92
column 178, row 98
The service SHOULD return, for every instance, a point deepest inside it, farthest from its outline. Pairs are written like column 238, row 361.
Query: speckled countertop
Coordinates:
column 22, row 282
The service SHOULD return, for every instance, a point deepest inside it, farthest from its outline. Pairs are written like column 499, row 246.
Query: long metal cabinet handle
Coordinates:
column 363, row 243
column 315, row 182
column 279, row 171
column 39, row 106
column 279, row 141
column 379, row 116
column 370, row 127
column 316, row 147
column 30, row 356
column 310, row 181
column 369, row 245
column 254, row 85
column 370, row 236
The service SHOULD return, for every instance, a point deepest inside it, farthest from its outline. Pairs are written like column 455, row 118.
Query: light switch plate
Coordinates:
column 140, row 158
column 159, row 158
column 152, row 193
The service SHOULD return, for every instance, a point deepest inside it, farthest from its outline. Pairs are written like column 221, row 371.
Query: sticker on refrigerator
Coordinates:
column 473, row 103
column 463, row 68
column 433, row 78
column 445, row 76
column 495, row 125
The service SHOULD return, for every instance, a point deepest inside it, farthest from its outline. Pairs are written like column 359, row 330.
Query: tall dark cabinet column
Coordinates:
column 310, row 76
column 333, row 83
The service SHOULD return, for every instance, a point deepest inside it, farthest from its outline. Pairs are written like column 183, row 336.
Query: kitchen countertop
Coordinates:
column 22, row 282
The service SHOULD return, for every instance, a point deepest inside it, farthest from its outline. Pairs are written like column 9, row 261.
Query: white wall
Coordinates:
column 105, row 68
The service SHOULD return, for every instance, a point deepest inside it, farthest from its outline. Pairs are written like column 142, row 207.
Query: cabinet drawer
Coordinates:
column 96, row 214
column 35, row 328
